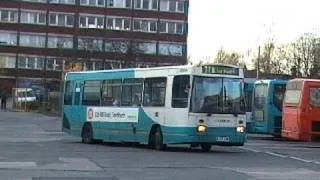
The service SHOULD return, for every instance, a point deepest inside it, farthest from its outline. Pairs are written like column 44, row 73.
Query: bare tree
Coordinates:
column 280, row 57
column 228, row 57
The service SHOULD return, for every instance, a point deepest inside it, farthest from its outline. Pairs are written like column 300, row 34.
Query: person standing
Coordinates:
column 3, row 101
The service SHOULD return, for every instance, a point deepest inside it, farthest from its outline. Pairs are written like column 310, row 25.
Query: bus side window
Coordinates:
column 260, row 96
column 180, row 91
column 154, row 92
column 77, row 93
column 91, row 93
column 111, row 92
column 315, row 97
column 131, row 92
column 68, row 93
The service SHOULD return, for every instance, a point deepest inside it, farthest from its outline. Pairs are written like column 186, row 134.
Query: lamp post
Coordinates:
column 55, row 65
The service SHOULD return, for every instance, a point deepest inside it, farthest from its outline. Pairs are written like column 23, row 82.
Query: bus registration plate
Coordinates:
column 222, row 139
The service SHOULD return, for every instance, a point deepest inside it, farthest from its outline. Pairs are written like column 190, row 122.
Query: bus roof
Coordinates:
column 149, row 69
column 305, row 79
column 277, row 81
column 150, row 72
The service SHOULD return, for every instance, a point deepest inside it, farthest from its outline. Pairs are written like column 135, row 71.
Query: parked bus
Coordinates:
column 301, row 115
column 267, row 106
column 158, row 106
column 248, row 95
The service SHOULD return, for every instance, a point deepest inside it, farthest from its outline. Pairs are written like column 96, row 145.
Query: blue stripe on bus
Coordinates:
column 118, row 132
column 101, row 75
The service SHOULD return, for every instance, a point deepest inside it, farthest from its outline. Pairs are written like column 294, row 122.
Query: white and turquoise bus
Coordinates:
column 197, row 105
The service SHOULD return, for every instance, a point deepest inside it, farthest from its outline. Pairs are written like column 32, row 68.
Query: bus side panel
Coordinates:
column 260, row 119
column 275, row 110
column 148, row 117
column 291, row 119
column 108, row 128
column 310, row 121
column 303, row 117
column 129, row 131
column 71, row 124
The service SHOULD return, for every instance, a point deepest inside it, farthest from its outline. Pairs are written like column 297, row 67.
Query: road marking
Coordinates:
column 300, row 159
column 250, row 149
column 17, row 165
column 276, row 154
column 72, row 164
column 316, row 162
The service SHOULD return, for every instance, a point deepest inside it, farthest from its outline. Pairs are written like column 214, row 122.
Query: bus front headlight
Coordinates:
column 202, row 128
column 241, row 129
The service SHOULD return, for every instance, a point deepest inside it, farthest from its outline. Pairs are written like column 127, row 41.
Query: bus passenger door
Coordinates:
column 77, row 105
column 260, row 108
column 154, row 99
column 312, row 123
column 178, row 94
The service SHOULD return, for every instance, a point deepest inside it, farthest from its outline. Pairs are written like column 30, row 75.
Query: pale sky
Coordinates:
column 242, row 24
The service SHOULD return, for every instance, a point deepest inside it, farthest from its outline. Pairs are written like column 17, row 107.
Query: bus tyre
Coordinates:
column 158, row 139
column 206, row 147
column 87, row 134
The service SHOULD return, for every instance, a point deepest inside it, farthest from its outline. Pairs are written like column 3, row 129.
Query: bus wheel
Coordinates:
column 158, row 139
column 206, row 147
column 87, row 134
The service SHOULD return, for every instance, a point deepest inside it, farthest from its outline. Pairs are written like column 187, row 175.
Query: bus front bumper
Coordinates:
column 218, row 136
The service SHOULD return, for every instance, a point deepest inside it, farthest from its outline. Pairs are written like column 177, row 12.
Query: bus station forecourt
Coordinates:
column 196, row 105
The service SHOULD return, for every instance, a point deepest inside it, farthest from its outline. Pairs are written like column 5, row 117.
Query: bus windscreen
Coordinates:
column 292, row 97
column 217, row 95
column 278, row 95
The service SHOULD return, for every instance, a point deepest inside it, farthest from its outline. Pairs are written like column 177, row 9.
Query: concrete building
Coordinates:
column 41, row 39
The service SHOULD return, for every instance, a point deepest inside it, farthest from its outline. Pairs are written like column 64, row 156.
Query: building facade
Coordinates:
column 42, row 39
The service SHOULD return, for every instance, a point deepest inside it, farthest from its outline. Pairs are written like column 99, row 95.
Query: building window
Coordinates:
column 99, row 3
column 116, row 23
column 92, row 65
column 7, row 61
column 179, row 28
column 90, row 44
column 147, row 47
column 146, row 4
column 9, row 15
column 117, row 46
column 145, row 25
column 169, row 49
column 62, row 1
column 29, row 62
column 98, row 65
column 58, row 19
column 60, row 41
column 172, row 6
column 54, row 64
column 154, row 92
column 37, row 1
column 8, row 38
column 172, row 27
column 119, row 3
column 32, row 40
column 180, row 6
column 91, row 21
column 154, row 4
column 32, row 17
column 138, row 4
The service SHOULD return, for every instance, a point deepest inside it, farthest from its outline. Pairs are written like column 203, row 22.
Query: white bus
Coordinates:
column 202, row 105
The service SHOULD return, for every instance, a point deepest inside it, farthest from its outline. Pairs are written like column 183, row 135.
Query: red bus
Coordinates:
column 301, row 111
